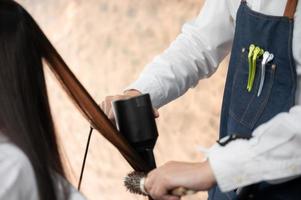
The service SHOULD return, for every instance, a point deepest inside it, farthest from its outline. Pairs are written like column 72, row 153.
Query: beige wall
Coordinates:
column 106, row 44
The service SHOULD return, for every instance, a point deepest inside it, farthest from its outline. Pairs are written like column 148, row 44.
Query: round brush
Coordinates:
column 134, row 182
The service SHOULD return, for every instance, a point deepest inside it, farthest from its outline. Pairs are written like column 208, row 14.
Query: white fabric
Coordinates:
column 195, row 54
column 17, row 179
column 272, row 155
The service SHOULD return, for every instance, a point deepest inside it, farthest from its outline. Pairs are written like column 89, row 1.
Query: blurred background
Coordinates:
column 107, row 43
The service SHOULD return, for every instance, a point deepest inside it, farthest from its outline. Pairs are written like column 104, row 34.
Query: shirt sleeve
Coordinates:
column 273, row 154
column 195, row 54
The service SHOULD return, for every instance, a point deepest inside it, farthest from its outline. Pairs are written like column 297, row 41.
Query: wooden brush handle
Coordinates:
column 181, row 191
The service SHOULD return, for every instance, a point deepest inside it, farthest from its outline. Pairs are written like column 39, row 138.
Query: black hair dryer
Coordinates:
column 136, row 122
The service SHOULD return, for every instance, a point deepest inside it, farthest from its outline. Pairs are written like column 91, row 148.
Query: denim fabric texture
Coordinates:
column 243, row 111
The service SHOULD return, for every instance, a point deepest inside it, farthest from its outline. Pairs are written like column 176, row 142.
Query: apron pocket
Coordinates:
column 246, row 107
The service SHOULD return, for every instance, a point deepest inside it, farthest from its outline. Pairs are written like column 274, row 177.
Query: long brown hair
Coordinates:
column 25, row 116
column 25, row 45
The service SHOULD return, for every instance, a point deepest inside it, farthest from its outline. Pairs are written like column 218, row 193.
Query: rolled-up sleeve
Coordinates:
column 273, row 154
column 195, row 54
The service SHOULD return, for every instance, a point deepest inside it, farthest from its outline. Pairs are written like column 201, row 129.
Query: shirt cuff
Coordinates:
column 228, row 164
column 151, row 86
column 239, row 164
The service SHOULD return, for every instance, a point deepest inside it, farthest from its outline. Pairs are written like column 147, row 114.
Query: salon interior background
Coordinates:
column 107, row 43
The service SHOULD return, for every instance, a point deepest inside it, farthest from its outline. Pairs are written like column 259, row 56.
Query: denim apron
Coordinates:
column 243, row 111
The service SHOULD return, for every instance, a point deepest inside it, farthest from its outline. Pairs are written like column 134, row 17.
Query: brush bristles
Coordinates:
column 132, row 182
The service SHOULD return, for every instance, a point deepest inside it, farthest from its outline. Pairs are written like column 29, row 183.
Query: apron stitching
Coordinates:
column 264, row 103
column 249, row 104
column 274, row 18
column 251, row 12
column 238, row 120
column 233, row 84
column 243, row 55
column 239, row 64
column 260, row 109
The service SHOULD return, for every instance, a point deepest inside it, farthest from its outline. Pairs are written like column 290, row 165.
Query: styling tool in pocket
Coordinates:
column 267, row 57
column 250, row 55
column 256, row 54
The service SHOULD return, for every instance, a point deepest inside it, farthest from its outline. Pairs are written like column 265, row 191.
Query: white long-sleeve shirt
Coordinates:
column 17, row 179
column 275, row 151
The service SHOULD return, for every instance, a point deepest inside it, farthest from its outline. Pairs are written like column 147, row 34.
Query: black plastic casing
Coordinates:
column 136, row 122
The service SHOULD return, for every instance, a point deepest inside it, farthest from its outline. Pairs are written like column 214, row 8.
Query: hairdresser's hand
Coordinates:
column 194, row 176
column 106, row 105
